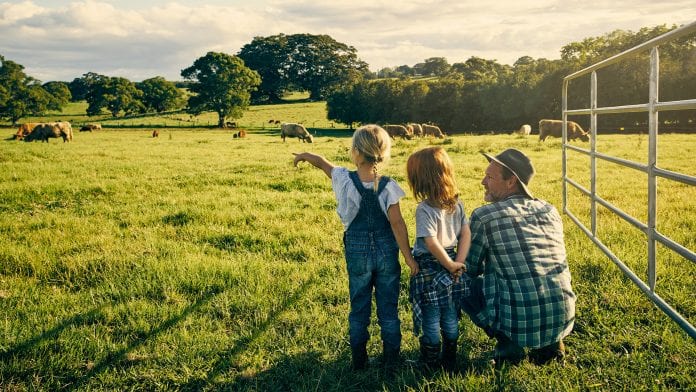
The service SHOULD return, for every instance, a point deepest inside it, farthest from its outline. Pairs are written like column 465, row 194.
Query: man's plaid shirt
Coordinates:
column 434, row 285
column 517, row 244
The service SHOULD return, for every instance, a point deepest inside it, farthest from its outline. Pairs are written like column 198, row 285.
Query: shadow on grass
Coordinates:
column 310, row 371
column 228, row 359
column 25, row 349
column 118, row 356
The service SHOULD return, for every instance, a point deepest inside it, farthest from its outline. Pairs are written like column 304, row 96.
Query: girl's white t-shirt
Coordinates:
column 348, row 197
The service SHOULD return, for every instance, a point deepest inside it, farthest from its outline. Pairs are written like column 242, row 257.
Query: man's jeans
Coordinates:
column 374, row 263
column 439, row 319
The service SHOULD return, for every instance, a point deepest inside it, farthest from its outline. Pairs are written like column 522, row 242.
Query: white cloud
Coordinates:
column 61, row 40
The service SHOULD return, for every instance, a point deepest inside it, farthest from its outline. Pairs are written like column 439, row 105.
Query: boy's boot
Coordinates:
column 359, row 356
column 449, row 355
column 429, row 355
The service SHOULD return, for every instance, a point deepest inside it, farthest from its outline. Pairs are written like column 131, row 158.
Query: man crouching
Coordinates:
column 521, row 293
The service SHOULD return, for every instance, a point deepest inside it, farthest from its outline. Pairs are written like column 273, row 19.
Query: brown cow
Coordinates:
column 554, row 128
column 90, row 127
column 44, row 131
column 433, row 130
column 155, row 133
column 417, row 129
column 240, row 134
column 398, row 130
column 24, row 130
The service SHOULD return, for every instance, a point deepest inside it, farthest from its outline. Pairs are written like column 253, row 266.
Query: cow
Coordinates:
column 295, row 130
column 554, row 128
column 433, row 130
column 90, row 127
column 24, row 130
column 417, row 129
column 230, row 124
column 44, row 131
column 525, row 129
column 240, row 134
column 155, row 133
column 398, row 130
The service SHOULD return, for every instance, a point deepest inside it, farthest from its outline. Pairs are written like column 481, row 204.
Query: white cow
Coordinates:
column 295, row 130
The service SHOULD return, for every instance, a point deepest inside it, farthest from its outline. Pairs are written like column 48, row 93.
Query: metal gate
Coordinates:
column 652, row 169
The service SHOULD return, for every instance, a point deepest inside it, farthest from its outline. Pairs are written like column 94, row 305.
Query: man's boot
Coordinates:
column 429, row 355
column 359, row 356
column 554, row 351
column 507, row 351
column 449, row 355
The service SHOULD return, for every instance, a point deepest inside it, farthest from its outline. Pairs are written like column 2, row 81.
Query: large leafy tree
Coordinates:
column 437, row 66
column 220, row 83
column 80, row 87
column 60, row 94
column 160, row 95
column 267, row 56
column 115, row 94
column 20, row 95
column 314, row 63
column 348, row 104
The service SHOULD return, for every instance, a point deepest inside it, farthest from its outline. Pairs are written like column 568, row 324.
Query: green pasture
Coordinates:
column 295, row 109
column 196, row 261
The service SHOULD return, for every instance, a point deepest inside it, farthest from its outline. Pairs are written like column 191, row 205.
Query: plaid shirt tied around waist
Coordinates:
column 435, row 286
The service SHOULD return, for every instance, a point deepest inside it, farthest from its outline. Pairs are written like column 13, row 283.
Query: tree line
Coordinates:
column 482, row 95
column 472, row 96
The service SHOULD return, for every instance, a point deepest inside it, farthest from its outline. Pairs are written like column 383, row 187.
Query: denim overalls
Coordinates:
column 372, row 258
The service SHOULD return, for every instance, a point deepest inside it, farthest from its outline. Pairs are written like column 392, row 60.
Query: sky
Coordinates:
column 137, row 40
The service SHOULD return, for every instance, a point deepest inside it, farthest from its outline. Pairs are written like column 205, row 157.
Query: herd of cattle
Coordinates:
column 44, row 131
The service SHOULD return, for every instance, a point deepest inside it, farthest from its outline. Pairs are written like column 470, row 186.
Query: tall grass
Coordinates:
column 195, row 261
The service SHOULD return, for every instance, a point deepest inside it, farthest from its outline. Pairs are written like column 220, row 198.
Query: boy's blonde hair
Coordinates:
column 431, row 177
column 373, row 144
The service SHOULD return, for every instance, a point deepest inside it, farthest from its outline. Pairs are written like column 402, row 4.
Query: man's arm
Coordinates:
column 478, row 250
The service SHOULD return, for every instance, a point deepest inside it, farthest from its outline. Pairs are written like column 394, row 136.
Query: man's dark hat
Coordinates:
column 518, row 163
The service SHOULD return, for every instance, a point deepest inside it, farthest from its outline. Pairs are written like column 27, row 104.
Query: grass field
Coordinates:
column 195, row 261
column 295, row 109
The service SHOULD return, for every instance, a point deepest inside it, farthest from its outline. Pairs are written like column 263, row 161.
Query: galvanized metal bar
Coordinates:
column 593, row 151
column 652, row 163
column 638, row 108
column 564, row 144
column 683, row 251
column 579, row 187
column 623, row 162
column 653, row 107
column 674, row 34
column 578, row 111
column 676, row 105
column 628, row 218
column 656, row 299
column 579, row 149
column 683, row 178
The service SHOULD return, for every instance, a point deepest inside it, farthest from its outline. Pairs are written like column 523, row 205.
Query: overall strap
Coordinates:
column 383, row 181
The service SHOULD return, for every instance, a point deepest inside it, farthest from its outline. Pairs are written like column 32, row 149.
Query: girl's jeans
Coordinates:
column 373, row 262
